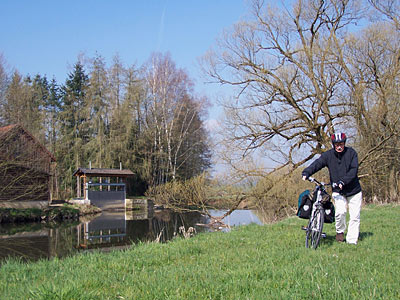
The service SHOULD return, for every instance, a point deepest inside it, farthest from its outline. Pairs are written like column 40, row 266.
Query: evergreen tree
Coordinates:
column 98, row 110
column 52, row 108
column 39, row 97
column 23, row 104
column 74, row 127
column 150, row 122
column 119, row 114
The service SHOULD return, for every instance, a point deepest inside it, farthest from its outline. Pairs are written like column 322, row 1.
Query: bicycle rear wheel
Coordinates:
column 314, row 228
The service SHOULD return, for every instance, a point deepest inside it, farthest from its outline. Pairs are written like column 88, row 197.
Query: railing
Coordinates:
column 118, row 186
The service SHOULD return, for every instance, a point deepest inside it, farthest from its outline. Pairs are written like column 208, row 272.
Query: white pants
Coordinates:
column 354, row 203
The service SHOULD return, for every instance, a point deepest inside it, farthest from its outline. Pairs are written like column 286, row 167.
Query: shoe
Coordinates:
column 340, row 237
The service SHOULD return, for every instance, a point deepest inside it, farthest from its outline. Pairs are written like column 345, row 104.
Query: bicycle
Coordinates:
column 316, row 220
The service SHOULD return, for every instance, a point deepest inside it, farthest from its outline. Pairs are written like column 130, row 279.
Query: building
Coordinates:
column 26, row 169
column 104, row 188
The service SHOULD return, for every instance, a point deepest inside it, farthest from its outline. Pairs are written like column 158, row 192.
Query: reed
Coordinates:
column 250, row 262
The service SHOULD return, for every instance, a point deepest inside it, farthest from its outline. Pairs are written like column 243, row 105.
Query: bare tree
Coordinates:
column 371, row 72
column 289, row 86
column 304, row 71
column 172, row 118
column 4, row 81
column 389, row 9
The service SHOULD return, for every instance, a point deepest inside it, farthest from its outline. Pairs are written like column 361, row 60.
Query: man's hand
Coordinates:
column 340, row 184
column 304, row 177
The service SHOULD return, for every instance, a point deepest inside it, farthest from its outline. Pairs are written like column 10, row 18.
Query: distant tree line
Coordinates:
column 148, row 118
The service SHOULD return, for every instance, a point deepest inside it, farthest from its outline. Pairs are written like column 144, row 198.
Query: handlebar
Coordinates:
column 313, row 180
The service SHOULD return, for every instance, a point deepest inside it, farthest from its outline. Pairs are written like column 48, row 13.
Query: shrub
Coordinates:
column 181, row 194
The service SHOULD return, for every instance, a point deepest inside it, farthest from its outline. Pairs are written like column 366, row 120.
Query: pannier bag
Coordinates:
column 329, row 215
column 304, row 205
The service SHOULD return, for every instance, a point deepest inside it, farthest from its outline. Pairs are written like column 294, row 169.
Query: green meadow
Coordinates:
column 250, row 262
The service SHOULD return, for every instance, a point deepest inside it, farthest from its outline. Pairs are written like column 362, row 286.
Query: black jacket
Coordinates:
column 342, row 167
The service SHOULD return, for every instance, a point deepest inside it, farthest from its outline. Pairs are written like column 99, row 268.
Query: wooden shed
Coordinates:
column 26, row 167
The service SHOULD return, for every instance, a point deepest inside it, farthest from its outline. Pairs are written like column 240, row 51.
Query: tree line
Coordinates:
column 148, row 119
column 301, row 70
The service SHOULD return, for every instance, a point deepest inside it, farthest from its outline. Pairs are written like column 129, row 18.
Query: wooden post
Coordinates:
column 84, row 186
column 78, row 186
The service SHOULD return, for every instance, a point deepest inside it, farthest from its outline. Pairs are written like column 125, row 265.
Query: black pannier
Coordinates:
column 306, row 201
column 329, row 208
column 329, row 215
column 304, row 205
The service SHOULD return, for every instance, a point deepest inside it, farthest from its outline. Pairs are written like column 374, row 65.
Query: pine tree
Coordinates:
column 74, row 127
column 52, row 108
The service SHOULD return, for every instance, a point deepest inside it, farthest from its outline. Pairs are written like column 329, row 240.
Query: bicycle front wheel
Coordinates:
column 314, row 229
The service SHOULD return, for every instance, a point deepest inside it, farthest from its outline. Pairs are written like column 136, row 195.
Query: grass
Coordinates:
column 21, row 215
column 52, row 213
column 251, row 262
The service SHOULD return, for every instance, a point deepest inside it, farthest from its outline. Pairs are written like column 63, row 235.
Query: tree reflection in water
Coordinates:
column 107, row 231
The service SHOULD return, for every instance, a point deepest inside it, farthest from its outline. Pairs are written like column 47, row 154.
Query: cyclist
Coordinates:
column 342, row 163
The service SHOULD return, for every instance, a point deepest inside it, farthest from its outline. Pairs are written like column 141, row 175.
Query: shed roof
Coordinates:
column 7, row 128
column 100, row 172
column 10, row 129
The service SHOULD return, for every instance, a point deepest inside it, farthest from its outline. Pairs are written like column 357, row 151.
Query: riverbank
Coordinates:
column 47, row 214
column 250, row 262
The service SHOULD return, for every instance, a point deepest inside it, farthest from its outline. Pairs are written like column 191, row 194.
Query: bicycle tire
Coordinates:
column 314, row 228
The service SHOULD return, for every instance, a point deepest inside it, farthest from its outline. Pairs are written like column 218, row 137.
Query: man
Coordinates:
column 342, row 163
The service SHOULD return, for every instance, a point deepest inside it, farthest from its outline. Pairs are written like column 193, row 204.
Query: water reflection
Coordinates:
column 109, row 230
column 36, row 240
column 238, row 217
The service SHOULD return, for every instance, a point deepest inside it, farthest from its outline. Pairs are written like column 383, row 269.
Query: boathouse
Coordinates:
column 26, row 169
column 104, row 188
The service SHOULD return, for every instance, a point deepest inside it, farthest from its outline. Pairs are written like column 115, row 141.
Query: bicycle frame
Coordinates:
column 316, row 221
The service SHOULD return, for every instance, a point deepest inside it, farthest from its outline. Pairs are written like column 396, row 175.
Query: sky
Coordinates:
column 46, row 36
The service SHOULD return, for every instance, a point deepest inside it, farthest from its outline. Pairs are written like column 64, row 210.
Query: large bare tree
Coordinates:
column 288, row 81
column 289, row 68
column 371, row 71
column 304, row 69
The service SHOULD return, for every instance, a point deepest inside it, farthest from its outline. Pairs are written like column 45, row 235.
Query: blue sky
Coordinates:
column 46, row 36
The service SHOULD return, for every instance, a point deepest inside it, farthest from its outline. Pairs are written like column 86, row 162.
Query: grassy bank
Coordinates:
column 14, row 215
column 52, row 213
column 251, row 262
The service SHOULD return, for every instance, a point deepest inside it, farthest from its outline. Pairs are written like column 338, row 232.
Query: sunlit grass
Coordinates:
column 251, row 262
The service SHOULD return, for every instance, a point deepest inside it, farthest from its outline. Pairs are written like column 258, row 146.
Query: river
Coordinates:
column 106, row 231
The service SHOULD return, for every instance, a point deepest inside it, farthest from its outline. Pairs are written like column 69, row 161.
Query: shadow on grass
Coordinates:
column 331, row 239
column 364, row 235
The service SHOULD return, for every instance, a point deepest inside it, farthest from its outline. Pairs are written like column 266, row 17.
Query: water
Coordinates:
column 107, row 231
column 238, row 217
